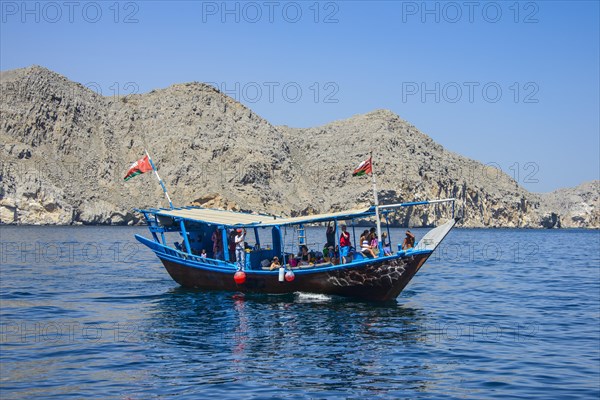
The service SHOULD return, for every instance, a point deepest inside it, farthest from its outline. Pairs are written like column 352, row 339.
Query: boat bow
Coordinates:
column 434, row 237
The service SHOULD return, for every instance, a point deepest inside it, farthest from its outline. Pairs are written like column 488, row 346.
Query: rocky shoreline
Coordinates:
column 65, row 151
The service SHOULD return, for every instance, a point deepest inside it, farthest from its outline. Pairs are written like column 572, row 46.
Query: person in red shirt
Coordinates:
column 344, row 244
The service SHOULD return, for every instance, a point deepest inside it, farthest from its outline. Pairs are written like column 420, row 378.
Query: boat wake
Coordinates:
column 304, row 297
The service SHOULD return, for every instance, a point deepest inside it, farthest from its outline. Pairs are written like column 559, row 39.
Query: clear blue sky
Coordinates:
column 439, row 65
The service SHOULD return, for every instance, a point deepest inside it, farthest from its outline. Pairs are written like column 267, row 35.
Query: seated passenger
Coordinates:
column 328, row 251
column 303, row 255
column 387, row 247
column 409, row 241
column 203, row 253
column 334, row 256
column 365, row 245
column 374, row 242
column 275, row 264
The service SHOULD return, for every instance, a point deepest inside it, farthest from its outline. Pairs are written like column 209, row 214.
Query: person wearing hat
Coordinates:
column 240, row 254
column 275, row 264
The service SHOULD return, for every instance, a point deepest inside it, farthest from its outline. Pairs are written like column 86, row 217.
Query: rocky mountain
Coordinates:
column 412, row 166
column 577, row 207
column 65, row 150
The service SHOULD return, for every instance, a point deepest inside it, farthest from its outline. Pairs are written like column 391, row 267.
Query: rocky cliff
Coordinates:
column 577, row 207
column 65, row 151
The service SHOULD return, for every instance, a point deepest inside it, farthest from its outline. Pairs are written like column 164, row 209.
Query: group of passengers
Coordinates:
column 306, row 257
column 369, row 242
column 341, row 253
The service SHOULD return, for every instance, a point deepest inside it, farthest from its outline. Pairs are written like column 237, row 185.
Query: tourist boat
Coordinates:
column 378, row 279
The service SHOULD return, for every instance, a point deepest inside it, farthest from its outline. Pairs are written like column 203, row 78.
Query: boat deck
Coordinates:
column 191, row 260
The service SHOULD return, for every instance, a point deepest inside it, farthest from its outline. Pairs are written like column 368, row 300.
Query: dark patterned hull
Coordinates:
column 376, row 281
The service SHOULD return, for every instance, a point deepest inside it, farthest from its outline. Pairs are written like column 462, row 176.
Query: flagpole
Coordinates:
column 376, row 202
column 159, row 180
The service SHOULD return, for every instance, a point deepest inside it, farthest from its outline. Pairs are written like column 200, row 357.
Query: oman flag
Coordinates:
column 139, row 167
column 363, row 168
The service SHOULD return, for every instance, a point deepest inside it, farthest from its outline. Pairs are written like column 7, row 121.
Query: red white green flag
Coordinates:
column 139, row 167
column 364, row 168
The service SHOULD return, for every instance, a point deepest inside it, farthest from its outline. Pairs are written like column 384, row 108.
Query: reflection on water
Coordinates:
column 328, row 343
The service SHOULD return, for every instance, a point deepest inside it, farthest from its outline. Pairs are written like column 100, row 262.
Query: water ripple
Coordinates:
column 518, row 322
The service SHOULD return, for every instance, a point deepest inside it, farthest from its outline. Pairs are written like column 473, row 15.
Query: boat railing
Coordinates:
column 194, row 257
column 160, row 248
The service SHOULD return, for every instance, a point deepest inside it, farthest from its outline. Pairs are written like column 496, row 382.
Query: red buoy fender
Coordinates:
column 289, row 276
column 239, row 277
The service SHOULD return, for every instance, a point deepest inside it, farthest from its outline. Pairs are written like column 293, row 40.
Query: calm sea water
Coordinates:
column 87, row 313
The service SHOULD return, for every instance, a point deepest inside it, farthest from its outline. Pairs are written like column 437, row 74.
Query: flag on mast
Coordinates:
column 139, row 167
column 144, row 165
column 364, row 168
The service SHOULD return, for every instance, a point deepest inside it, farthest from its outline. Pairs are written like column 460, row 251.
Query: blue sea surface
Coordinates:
column 87, row 312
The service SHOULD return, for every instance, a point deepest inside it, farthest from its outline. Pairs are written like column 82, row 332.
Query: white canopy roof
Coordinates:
column 231, row 218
